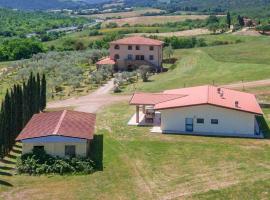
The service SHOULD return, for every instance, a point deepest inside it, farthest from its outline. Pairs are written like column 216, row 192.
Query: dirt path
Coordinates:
column 92, row 102
column 247, row 31
column 250, row 84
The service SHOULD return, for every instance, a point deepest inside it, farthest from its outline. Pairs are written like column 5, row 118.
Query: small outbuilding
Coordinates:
column 59, row 133
column 201, row 110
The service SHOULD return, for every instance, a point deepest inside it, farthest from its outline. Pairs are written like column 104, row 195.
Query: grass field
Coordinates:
column 134, row 13
column 140, row 165
column 148, row 20
column 82, row 36
column 217, row 64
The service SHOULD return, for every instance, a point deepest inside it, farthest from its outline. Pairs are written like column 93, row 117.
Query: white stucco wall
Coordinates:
column 57, row 148
column 144, row 50
column 231, row 122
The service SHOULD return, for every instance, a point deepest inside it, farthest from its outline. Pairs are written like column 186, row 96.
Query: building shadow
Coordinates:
column 96, row 151
column 263, row 126
column 5, row 183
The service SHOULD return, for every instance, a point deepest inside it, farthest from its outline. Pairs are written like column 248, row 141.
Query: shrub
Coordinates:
column 39, row 162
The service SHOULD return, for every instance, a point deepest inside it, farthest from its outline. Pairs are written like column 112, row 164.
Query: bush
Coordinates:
column 39, row 162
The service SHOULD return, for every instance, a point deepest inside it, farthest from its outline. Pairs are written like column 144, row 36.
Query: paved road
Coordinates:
column 92, row 102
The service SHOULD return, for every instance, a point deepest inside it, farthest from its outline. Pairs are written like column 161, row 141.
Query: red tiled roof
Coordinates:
column 61, row 123
column 152, row 98
column 106, row 61
column 209, row 95
column 138, row 40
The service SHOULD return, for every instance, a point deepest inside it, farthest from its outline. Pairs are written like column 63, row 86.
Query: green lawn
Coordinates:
column 141, row 165
column 247, row 61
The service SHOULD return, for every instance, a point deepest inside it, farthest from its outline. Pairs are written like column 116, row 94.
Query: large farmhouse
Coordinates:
column 131, row 52
column 205, row 110
column 60, row 133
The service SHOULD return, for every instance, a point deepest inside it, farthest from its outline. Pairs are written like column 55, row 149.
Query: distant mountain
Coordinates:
column 41, row 4
column 201, row 5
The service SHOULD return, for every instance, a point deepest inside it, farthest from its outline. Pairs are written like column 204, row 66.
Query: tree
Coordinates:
column 43, row 92
column 229, row 20
column 213, row 27
column 168, row 51
column 144, row 71
column 240, row 20
column 263, row 28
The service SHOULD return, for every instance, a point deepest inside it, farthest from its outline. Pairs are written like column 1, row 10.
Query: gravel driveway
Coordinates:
column 92, row 102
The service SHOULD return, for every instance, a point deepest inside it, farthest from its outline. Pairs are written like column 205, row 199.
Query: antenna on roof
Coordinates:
column 219, row 90
column 221, row 93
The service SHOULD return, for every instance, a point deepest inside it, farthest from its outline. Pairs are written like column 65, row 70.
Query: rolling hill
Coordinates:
column 199, row 5
column 41, row 5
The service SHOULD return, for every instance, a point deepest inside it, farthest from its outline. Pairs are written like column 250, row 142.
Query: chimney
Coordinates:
column 236, row 104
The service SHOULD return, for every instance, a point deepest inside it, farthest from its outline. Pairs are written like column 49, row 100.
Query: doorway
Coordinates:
column 189, row 124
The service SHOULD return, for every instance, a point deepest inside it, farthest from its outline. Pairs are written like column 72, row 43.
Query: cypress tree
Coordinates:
column 38, row 94
column 18, row 106
column 43, row 93
column 229, row 20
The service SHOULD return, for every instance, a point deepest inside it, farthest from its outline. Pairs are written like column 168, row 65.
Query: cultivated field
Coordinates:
column 141, row 165
column 148, row 20
column 134, row 13
column 186, row 33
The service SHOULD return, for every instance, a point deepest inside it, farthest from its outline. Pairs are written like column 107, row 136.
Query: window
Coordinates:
column 200, row 121
column 116, row 47
column 116, row 57
column 137, row 47
column 151, row 57
column 214, row 121
column 129, row 47
column 142, row 57
column 137, row 57
column 38, row 148
column 130, row 57
column 151, row 48
column 70, row 150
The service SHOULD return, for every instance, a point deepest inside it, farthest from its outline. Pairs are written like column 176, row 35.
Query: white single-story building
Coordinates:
column 60, row 133
column 202, row 110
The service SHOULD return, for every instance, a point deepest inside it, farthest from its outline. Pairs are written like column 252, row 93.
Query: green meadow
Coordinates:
column 141, row 165
column 248, row 60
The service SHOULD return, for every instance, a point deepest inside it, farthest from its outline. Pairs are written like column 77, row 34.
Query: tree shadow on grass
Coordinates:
column 5, row 183
column 6, row 168
column 96, row 151
column 5, row 161
column 5, row 173
column 17, row 151
column 17, row 146
column 11, row 156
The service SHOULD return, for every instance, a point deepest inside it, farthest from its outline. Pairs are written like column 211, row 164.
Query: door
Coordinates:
column 189, row 124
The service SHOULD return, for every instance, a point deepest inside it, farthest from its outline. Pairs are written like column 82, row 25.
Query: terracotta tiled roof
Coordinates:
column 152, row 98
column 207, row 95
column 61, row 123
column 106, row 61
column 138, row 40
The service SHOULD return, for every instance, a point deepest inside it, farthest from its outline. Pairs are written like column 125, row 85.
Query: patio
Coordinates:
column 142, row 120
